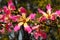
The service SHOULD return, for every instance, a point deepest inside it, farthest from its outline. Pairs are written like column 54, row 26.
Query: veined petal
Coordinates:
column 27, row 28
column 48, row 7
column 32, row 16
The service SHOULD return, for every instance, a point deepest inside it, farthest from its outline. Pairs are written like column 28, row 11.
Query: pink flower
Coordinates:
column 32, row 16
column 40, row 34
column 11, row 5
column 48, row 15
column 22, row 10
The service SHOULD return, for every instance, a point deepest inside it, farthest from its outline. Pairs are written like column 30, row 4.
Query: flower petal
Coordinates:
column 57, row 13
column 11, row 5
column 16, row 28
column 53, row 17
column 27, row 28
column 35, row 27
column 24, row 16
column 48, row 7
column 15, row 17
column 32, row 16
column 21, row 23
column 6, row 10
column 41, row 11
column 42, row 19
column 22, row 10
column 27, row 19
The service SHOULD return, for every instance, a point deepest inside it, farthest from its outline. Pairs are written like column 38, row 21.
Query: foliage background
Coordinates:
column 33, row 4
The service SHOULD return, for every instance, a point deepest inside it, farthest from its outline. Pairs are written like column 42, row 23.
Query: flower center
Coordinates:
column 24, row 20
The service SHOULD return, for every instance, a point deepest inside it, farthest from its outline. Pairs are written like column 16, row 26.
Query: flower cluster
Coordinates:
column 7, row 20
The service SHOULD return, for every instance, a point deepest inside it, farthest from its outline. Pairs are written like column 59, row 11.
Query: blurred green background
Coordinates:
column 32, row 5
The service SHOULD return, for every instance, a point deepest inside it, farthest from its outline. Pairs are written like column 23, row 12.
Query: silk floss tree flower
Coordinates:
column 24, row 20
column 38, row 32
column 49, row 14
column 11, row 5
column 8, row 10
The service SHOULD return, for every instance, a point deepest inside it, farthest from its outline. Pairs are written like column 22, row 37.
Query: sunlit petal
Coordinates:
column 24, row 16
column 21, row 23
column 27, row 19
